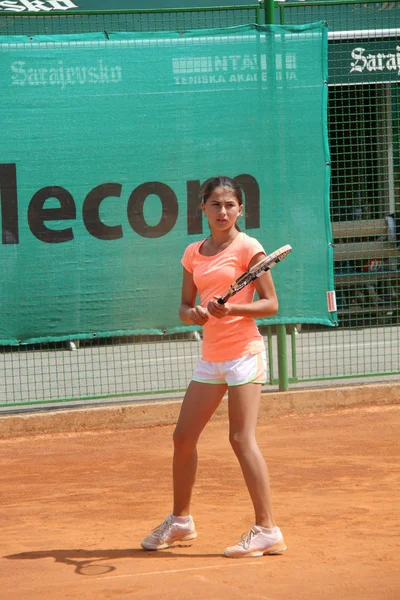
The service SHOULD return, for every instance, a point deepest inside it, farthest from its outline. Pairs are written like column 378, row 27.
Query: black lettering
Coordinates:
column 37, row 214
column 194, row 212
column 251, row 192
column 9, row 204
column 169, row 203
column 90, row 212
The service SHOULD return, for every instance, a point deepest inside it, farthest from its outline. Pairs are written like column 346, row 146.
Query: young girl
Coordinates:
column 233, row 359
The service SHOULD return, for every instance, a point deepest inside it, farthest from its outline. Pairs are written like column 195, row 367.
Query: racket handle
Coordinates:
column 220, row 301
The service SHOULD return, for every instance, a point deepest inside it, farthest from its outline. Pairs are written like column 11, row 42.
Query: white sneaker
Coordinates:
column 168, row 532
column 257, row 542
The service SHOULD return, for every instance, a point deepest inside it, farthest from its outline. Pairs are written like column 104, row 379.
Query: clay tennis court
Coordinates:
column 75, row 506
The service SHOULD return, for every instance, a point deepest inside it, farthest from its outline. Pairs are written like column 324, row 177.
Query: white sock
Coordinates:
column 272, row 531
column 180, row 519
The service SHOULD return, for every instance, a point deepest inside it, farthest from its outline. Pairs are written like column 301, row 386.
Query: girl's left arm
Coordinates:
column 265, row 306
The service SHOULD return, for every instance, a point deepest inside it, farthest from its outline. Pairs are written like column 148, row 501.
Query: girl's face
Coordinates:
column 221, row 209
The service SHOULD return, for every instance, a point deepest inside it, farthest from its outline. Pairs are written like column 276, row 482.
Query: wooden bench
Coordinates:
column 367, row 271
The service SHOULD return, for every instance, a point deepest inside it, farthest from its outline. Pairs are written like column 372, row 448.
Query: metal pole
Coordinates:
column 294, row 353
column 270, row 355
column 269, row 11
column 282, row 358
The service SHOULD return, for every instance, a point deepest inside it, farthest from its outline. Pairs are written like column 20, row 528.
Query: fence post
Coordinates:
column 282, row 358
column 269, row 12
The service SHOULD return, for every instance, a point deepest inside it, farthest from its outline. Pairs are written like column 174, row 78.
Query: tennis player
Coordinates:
column 233, row 359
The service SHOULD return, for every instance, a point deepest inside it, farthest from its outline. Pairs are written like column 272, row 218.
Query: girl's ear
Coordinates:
column 203, row 207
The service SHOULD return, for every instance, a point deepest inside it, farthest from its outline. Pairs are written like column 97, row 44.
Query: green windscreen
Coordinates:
column 106, row 139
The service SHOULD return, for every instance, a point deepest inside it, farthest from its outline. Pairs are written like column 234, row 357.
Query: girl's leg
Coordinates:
column 244, row 401
column 199, row 404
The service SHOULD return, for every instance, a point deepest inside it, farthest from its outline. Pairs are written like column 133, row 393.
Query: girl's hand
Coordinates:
column 199, row 315
column 218, row 310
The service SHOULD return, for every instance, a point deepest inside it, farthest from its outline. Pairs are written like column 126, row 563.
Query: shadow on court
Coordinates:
column 89, row 562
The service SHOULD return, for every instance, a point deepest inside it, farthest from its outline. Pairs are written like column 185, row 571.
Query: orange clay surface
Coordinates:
column 75, row 506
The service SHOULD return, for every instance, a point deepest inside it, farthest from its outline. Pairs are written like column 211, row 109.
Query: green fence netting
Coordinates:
column 102, row 188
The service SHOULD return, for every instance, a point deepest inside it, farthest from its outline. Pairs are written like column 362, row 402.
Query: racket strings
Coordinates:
column 260, row 266
column 271, row 259
column 251, row 273
column 256, row 270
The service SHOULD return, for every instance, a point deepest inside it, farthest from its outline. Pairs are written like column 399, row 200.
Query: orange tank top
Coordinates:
column 230, row 337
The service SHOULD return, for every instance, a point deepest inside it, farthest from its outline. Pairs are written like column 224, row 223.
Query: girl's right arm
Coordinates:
column 189, row 313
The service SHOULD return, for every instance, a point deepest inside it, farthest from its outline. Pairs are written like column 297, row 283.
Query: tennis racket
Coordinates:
column 255, row 271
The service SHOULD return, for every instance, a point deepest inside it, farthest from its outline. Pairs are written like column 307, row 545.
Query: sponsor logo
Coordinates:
column 234, row 68
column 372, row 63
column 40, row 215
column 98, row 73
column 36, row 5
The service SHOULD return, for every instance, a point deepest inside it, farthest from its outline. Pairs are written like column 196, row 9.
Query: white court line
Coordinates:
column 260, row 562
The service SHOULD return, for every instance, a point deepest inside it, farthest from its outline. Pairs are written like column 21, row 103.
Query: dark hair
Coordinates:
column 220, row 181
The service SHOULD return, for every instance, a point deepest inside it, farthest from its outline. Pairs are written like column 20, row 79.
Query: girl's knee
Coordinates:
column 241, row 442
column 183, row 442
